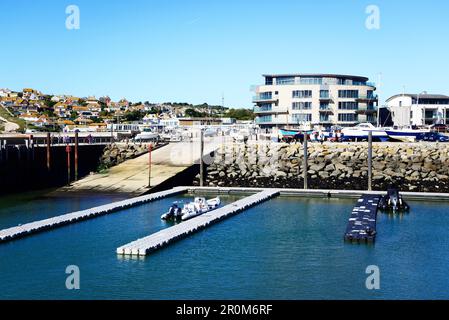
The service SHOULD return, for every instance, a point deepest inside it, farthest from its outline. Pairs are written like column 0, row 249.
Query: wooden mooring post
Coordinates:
column 48, row 152
column 68, row 150
column 76, row 156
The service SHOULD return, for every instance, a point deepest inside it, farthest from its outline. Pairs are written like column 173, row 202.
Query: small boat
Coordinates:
column 289, row 134
column 407, row 133
column 361, row 131
column 174, row 213
column 192, row 209
column 240, row 135
column 199, row 206
column 147, row 136
column 393, row 202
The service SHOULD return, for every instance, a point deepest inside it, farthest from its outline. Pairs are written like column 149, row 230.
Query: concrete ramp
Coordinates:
column 131, row 176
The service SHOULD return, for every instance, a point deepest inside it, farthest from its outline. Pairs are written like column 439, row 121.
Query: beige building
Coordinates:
column 299, row 100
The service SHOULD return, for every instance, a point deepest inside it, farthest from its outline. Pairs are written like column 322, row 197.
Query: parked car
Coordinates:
column 433, row 137
column 439, row 127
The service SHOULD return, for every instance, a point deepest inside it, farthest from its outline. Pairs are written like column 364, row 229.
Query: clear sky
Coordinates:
column 196, row 50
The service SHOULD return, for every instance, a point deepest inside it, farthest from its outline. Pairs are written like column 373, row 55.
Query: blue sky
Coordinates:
column 196, row 50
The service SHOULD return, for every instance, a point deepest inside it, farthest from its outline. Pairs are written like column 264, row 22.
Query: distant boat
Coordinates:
column 362, row 130
column 147, row 136
column 240, row 135
column 407, row 133
column 290, row 133
column 190, row 210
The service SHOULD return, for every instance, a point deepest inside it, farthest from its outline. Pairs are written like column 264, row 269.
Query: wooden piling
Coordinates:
column 48, row 152
column 68, row 150
column 76, row 156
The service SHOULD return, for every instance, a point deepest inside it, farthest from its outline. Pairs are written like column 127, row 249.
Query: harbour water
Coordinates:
column 286, row 248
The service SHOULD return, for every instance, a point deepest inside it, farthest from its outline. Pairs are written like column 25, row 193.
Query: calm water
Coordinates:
column 287, row 248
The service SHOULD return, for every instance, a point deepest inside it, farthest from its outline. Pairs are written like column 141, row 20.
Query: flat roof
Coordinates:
column 316, row 75
column 421, row 96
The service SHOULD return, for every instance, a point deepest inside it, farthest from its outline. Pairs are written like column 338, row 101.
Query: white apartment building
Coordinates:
column 298, row 100
column 419, row 109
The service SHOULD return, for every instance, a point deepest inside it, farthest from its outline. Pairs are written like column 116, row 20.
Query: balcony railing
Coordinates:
column 272, row 110
column 368, row 97
column 262, row 120
column 263, row 110
column 264, row 98
column 367, row 109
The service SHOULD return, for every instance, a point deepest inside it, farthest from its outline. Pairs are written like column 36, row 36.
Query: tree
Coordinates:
column 73, row 115
column 240, row 114
column 50, row 103
column 49, row 113
column 193, row 113
column 133, row 116
column 97, row 119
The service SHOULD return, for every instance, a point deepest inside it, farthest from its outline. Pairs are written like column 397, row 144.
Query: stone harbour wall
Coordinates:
column 115, row 154
column 409, row 166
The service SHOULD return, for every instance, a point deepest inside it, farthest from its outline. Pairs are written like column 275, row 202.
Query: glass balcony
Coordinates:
column 369, row 97
column 326, row 97
column 264, row 98
column 263, row 109
column 265, row 119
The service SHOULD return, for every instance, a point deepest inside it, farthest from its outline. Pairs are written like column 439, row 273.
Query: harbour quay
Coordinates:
column 414, row 167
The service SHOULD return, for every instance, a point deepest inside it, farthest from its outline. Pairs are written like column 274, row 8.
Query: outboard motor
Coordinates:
column 393, row 202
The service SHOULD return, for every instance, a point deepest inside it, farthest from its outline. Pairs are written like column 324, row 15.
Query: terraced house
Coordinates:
column 315, row 99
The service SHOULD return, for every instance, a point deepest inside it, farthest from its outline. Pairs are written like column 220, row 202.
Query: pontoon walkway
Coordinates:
column 51, row 223
column 362, row 223
column 144, row 246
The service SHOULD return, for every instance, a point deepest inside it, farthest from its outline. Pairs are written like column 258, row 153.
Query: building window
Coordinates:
column 302, row 94
column 268, row 81
column 324, row 118
column 370, row 118
column 348, row 105
column 265, row 95
column 264, row 119
column 301, row 117
column 265, row 107
column 353, row 94
column 311, row 81
column 324, row 94
column 347, row 117
column 324, row 106
column 302, row 105
column 285, row 81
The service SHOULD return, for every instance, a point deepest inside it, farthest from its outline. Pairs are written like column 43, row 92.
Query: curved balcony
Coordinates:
column 367, row 98
column 327, row 111
column 264, row 98
column 366, row 111
column 272, row 110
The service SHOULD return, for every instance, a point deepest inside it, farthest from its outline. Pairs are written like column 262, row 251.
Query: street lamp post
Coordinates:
column 417, row 106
